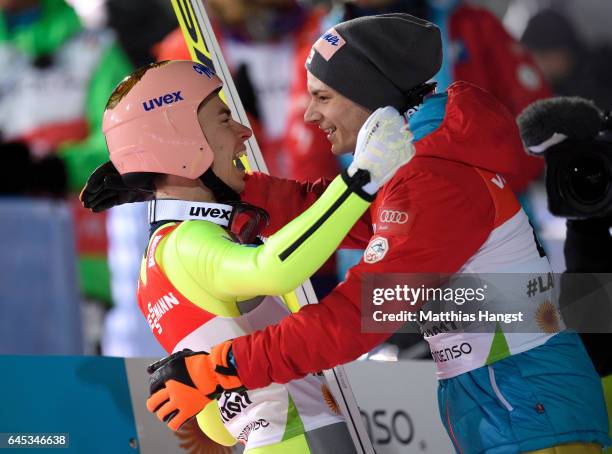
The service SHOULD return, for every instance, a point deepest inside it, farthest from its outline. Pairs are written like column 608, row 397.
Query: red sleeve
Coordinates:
column 447, row 224
column 285, row 199
column 495, row 61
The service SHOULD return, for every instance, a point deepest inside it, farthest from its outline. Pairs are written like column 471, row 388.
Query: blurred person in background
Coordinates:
column 55, row 77
column 139, row 24
column 568, row 63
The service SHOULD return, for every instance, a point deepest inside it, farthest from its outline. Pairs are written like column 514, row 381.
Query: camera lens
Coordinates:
column 588, row 179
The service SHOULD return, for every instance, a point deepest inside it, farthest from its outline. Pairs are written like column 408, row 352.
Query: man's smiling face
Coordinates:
column 335, row 114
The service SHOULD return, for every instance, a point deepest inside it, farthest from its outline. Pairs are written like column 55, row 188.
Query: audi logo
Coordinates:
column 393, row 217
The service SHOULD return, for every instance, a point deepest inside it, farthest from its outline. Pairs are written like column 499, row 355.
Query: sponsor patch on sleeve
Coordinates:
column 395, row 221
column 376, row 250
column 393, row 217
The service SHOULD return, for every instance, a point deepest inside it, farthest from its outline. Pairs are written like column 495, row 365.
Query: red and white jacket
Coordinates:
column 455, row 200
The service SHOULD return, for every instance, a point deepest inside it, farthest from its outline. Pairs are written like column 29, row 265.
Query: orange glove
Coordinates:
column 182, row 384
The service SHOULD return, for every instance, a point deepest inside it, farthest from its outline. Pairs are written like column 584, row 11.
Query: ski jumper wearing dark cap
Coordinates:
column 497, row 63
column 506, row 390
column 367, row 48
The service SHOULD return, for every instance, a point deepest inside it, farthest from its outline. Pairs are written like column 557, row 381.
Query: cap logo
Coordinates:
column 328, row 44
column 310, row 55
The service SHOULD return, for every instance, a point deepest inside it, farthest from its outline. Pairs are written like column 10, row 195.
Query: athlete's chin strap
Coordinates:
column 221, row 191
column 183, row 210
column 245, row 221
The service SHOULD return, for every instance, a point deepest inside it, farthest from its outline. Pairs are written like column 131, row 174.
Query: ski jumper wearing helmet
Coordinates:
column 197, row 286
column 151, row 120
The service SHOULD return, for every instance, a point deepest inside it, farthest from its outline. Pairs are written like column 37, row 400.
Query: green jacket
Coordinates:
column 54, row 27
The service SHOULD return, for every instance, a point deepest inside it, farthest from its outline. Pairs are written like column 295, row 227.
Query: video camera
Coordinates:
column 575, row 139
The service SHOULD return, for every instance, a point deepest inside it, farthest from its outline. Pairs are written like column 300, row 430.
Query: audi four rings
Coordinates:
column 394, row 217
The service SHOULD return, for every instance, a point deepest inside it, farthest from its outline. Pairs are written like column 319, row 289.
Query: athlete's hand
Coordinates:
column 384, row 144
column 105, row 188
column 182, row 384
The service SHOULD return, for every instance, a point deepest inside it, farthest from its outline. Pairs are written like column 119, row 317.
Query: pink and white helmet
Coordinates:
column 151, row 119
